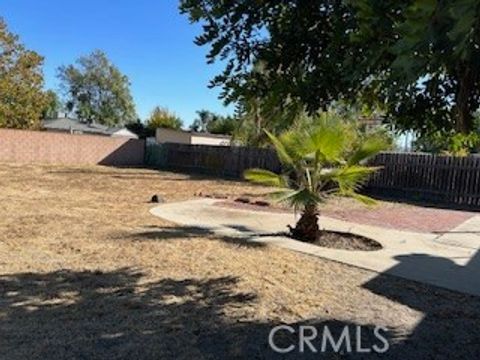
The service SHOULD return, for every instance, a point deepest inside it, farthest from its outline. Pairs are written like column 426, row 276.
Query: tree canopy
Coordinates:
column 22, row 99
column 417, row 59
column 208, row 121
column 53, row 105
column 163, row 118
column 139, row 128
column 97, row 91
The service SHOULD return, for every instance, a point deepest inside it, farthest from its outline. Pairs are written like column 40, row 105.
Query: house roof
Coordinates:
column 67, row 124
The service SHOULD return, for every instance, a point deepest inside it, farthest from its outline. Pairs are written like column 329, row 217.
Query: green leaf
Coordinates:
column 303, row 197
column 280, row 149
column 265, row 177
column 326, row 141
column 350, row 178
column 311, row 177
column 368, row 149
column 363, row 199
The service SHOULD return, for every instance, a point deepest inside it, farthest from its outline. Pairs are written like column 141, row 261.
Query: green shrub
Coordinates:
column 449, row 143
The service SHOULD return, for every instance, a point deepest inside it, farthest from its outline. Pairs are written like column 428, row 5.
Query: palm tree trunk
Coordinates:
column 307, row 228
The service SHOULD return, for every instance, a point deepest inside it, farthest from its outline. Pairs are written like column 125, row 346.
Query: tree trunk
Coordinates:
column 463, row 107
column 307, row 228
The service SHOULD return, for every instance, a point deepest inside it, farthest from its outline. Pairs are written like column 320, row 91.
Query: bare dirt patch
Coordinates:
column 87, row 272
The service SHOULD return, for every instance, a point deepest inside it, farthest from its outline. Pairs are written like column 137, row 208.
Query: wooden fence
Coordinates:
column 428, row 178
column 447, row 180
column 212, row 160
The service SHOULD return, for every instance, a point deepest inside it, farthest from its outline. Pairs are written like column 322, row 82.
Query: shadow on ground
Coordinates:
column 114, row 315
column 159, row 233
column 166, row 175
column 105, row 315
column 449, row 329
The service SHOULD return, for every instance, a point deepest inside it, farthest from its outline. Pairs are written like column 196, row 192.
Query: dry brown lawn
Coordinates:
column 87, row 272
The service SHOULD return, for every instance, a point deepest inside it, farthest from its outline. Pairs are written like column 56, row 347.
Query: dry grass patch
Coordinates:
column 87, row 272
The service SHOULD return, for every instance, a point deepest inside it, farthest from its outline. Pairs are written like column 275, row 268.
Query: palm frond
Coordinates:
column 282, row 195
column 303, row 197
column 314, row 164
column 369, row 148
column 296, row 198
column 265, row 177
column 282, row 152
column 326, row 142
column 351, row 178
column 367, row 200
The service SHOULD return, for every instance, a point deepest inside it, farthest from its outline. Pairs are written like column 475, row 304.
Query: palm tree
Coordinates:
column 318, row 161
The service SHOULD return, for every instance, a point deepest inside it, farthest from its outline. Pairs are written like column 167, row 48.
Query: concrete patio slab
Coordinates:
column 465, row 235
column 422, row 257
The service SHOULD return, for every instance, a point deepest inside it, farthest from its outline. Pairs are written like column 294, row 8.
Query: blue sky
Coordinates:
column 147, row 39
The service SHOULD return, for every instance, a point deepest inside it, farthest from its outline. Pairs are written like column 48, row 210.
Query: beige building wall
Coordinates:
column 172, row 136
column 184, row 137
column 209, row 140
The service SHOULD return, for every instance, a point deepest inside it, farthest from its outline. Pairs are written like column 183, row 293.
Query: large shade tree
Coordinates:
column 97, row 91
column 417, row 59
column 22, row 99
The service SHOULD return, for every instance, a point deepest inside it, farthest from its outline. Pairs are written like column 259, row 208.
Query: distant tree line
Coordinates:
column 413, row 63
column 93, row 89
column 210, row 122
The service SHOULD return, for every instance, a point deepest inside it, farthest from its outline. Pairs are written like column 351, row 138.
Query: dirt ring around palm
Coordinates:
column 339, row 240
column 346, row 241
column 329, row 239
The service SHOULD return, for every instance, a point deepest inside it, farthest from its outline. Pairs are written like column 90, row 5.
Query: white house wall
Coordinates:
column 205, row 140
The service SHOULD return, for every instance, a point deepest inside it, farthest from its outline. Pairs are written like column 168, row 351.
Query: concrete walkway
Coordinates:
column 450, row 260
column 465, row 235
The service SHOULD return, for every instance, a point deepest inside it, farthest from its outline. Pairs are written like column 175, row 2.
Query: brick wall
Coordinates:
column 24, row 146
